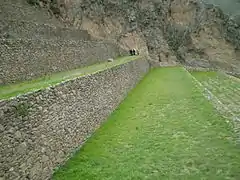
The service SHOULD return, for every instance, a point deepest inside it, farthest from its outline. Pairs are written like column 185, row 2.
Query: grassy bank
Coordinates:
column 165, row 129
column 224, row 87
column 12, row 90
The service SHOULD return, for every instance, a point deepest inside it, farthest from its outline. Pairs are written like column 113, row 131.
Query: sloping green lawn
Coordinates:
column 224, row 87
column 164, row 129
column 12, row 90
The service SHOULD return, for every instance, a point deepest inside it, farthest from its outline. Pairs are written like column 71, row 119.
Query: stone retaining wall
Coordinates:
column 26, row 59
column 25, row 29
column 21, row 10
column 40, row 130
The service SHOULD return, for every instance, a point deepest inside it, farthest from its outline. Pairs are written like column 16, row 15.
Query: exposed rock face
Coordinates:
column 195, row 33
column 213, row 37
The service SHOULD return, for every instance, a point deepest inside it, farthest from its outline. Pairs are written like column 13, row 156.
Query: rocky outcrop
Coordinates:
column 188, row 31
column 212, row 37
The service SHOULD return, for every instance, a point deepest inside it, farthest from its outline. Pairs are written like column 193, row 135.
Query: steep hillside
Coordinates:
column 35, row 43
column 196, row 33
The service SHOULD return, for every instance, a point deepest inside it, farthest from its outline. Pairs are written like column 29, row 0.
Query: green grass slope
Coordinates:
column 12, row 90
column 224, row 87
column 164, row 129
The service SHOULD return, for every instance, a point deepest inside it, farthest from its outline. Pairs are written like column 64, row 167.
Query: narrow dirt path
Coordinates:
column 165, row 129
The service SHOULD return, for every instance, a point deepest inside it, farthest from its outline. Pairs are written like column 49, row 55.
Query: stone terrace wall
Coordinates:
column 25, row 59
column 21, row 10
column 39, row 130
column 33, row 44
column 32, row 30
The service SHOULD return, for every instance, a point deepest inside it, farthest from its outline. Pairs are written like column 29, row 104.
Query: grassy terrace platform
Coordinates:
column 164, row 129
column 13, row 90
column 224, row 87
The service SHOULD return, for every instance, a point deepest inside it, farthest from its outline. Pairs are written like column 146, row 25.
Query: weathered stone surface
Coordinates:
column 25, row 59
column 18, row 135
column 45, row 158
column 32, row 30
column 22, row 148
column 191, row 32
column 34, row 43
column 62, row 118
column 1, row 128
column 19, row 10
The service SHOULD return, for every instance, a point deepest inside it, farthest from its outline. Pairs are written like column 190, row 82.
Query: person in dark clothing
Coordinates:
column 131, row 52
column 134, row 52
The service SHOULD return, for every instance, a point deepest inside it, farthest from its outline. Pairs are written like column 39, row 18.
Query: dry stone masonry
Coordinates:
column 25, row 29
column 25, row 59
column 188, row 31
column 34, row 44
column 40, row 130
column 19, row 10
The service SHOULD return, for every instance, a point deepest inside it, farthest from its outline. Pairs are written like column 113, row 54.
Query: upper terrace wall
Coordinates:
column 26, row 59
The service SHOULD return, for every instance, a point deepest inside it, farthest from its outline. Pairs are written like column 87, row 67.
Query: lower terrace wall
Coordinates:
column 26, row 59
column 40, row 130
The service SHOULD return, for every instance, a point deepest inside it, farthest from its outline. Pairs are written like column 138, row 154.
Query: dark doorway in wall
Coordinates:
column 159, row 58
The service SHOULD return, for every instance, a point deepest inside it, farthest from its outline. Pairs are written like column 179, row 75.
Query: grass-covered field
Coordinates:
column 165, row 129
column 224, row 87
column 12, row 90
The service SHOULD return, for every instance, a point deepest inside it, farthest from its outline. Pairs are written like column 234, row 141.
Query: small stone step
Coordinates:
column 31, row 30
